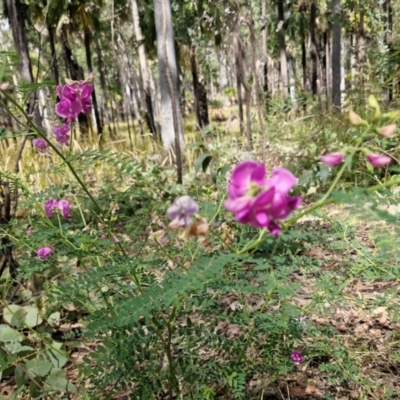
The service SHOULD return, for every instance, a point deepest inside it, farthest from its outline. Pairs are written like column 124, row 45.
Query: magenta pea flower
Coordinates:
column 44, row 252
column 63, row 206
column 258, row 201
column 40, row 144
column 49, row 206
column 182, row 209
column 297, row 357
column 378, row 160
column 332, row 159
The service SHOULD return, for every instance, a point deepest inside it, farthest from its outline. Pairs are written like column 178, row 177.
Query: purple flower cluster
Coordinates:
column 258, row 201
column 297, row 357
column 75, row 98
column 62, row 205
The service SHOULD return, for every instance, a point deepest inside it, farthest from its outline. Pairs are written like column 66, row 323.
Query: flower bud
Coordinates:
column 392, row 116
column 69, row 82
column 388, row 131
column 332, row 159
column 4, row 86
column 90, row 78
column 355, row 119
column 378, row 160
column 375, row 105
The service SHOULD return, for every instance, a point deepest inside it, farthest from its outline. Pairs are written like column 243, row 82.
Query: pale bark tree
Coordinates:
column 16, row 20
column 336, row 56
column 143, row 69
column 282, row 49
column 171, row 120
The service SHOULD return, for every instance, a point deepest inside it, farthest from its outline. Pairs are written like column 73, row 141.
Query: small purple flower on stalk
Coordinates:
column 332, row 159
column 181, row 211
column 63, row 206
column 40, row 144
column 297, row 357
column 29, row 231
column 378, row 160
column 49, row 206
column 258, row 201
column 61, row 133
column 44, row 252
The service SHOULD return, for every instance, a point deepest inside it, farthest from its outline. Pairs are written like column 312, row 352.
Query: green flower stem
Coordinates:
column 254, row 244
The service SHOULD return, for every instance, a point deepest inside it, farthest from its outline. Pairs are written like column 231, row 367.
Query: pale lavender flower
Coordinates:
column 29, row 231
column 44, row 252
column 332, row 159
column 182, row 209
column 378, row 160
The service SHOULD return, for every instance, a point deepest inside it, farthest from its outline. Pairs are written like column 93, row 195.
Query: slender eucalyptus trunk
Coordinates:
column 16, row 19
column 314, row 50
column 265, row 54
column 239, row 71
column 336, row 57
column 200, row 93
column 144, row 70
column 54, row 61
column 171, row 128
column 282, row 49
column 87, row 40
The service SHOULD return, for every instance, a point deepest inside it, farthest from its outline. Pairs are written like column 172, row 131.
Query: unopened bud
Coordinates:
column 90, row 78
column 355, row 119
column 373, row 102
column 392, row 116
column 375, row 105
column 388, row 131
column 69, row 82
column 4, row 86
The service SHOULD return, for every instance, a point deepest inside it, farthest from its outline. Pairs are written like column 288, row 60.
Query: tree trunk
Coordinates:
column 336, row 56
column 265, row 53
column 54, row 61
column 87, row 39
column 144, row 70
column 314, row 50
column 171, row 127
column 238, row 67
column 282, row 50
column 200, row 93
column 16, row 19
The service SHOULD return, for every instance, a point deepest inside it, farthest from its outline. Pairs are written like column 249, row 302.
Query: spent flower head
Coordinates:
column 258, row 201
